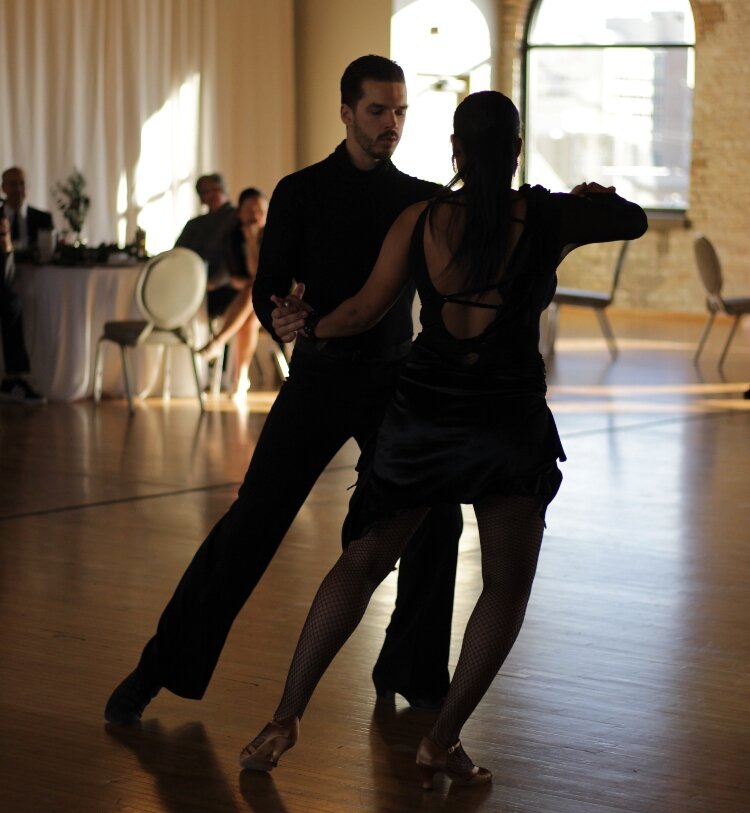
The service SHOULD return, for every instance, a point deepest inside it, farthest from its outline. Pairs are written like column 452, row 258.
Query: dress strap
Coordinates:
column 458, row 297
column 455, row 301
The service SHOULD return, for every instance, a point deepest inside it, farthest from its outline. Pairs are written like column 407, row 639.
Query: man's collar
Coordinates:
column 341, row 154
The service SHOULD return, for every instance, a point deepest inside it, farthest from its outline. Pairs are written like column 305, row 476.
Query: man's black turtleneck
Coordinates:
column 325, row 226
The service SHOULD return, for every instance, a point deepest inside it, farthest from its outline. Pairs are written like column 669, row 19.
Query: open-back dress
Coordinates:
column 469, row 416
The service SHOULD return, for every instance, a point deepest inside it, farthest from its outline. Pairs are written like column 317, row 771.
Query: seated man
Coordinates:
column 14, row 386
column 207, row 234
column 25, row 221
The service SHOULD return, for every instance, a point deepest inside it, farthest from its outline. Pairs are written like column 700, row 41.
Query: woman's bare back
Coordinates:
column 440, row 241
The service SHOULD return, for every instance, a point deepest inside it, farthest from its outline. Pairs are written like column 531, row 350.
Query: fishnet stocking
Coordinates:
column 340, row 604
column 510, row 532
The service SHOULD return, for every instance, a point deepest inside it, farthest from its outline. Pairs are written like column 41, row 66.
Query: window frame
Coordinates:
column 666, row 214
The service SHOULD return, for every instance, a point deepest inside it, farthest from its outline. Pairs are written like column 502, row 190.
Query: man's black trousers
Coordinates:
column 322, row 404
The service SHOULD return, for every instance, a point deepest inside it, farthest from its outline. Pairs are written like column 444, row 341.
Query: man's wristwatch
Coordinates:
column 313, row 317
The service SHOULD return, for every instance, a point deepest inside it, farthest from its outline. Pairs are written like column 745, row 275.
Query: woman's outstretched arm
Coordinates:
column 368, row 306
column 592, row 213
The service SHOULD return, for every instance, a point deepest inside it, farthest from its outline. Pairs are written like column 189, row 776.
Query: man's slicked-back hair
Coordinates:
column 376, row 68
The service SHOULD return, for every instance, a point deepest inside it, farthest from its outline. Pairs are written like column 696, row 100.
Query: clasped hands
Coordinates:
column 593, row 188
column 290, row 313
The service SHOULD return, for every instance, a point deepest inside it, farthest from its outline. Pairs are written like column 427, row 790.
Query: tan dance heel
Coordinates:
column 432, row 759
column 263, row 753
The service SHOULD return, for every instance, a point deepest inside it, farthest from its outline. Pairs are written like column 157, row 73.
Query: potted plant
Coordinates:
column 73, row 202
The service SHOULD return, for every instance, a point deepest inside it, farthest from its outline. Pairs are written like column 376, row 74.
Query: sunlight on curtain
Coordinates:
column 164, row 193
column 122, row 210
column 144, row 96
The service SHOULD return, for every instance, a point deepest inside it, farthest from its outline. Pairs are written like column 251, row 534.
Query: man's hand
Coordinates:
column 592, row 188
column 290, row 314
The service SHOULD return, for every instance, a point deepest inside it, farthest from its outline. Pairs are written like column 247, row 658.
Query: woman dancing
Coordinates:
column 468, row 422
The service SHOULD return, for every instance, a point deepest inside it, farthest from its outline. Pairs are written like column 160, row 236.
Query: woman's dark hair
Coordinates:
column 250, row 192
column 377, row 68
column 487, row 127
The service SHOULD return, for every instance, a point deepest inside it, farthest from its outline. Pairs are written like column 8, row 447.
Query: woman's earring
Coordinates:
column 453, row 161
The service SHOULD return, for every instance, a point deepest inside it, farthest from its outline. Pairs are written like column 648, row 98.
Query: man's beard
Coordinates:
column 374, row 148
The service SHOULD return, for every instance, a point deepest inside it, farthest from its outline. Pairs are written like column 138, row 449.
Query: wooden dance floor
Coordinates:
column 628, row 690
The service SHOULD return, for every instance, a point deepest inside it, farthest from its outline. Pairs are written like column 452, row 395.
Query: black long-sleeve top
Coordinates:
column 325, row 226
column 206, row 235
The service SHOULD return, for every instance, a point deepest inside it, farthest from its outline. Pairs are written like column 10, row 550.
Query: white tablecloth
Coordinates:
column 64, row 311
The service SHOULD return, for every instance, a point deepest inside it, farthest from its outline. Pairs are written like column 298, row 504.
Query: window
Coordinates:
column 608, row 97
column 444, row 48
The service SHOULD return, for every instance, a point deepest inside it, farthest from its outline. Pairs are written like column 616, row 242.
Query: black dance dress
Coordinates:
column 469, row 417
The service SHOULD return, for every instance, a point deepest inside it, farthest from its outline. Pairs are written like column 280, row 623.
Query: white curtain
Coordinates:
column 143, row 96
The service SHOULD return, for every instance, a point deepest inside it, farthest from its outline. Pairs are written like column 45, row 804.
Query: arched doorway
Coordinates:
column 444, row 48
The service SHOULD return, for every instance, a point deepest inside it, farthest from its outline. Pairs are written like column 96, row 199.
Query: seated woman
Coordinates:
column 239, row 319
column 468, row 422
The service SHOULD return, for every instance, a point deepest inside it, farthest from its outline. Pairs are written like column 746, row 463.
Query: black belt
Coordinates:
column 333, row 350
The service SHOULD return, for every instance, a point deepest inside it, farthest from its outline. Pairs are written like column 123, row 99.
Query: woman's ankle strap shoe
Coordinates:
column 454, row 762
column 263, row 753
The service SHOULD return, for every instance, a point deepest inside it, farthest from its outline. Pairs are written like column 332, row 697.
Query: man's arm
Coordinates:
column 280, row 259
column 183, row 239
column 39, row 219
column 188, row 235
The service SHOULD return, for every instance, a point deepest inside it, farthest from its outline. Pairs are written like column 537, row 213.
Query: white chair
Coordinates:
column 170, row 290
column 279, row 360
column 709, row 269
column 598, row 301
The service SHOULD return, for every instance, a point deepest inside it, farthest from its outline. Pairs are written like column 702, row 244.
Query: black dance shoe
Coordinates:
column 415, row 700
column 127, row 702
